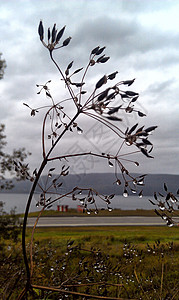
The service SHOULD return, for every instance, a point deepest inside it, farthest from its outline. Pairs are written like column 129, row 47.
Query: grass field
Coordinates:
column 109, row 261
column 116, row 234
column 145, row 254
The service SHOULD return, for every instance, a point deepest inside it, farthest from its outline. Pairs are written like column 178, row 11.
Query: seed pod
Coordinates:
column 141, row 114
column 54, row 33
column 147, row 142
column 139, row 130
column 123, row 96
column 98, row 60
column 113, row 118
column 149, row 129
column 145, row 153
column 140, row 194
column 67, row 72
column 112, row 76
column 59, row 35
column 95, row 50
column 66, row 42
column 78, row 70
column 135, row 98
column 130, row 93
column 128, row 82
column 114, row 110
column 32, row 112
column 49, row 34
column 70, row 65
column 110, row 163
column 133, row 128
column 102, row 81
column 103, row 95
column 100, row 51
column 104, row 59
column 111, row 96
column 125, row 193
column 118, row 182
column 41, row 31
column 165, row 187
column 78, row 84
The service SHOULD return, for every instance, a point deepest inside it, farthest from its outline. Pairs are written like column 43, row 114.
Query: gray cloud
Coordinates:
column 125, row 36
column 138, row 6
column 146, row 52
column 162, row 87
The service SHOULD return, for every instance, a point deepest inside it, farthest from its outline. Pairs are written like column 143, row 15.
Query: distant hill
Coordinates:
column 104, row 183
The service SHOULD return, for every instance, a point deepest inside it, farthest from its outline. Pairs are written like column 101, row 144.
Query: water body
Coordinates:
column 19, row 201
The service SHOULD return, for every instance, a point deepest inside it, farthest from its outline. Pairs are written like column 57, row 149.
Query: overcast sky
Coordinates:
column 142, row 40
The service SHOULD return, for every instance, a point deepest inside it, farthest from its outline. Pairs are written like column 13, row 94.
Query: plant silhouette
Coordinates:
column 108, row 101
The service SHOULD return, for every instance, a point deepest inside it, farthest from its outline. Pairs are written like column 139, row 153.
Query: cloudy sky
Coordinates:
column 142, row 40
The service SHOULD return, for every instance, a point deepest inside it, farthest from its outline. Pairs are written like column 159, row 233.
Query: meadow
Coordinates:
column 128, row 262
column 139, row 235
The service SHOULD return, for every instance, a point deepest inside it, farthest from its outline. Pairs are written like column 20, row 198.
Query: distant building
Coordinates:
column 62, row 208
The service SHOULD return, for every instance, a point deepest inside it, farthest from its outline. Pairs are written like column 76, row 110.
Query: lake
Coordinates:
column 19, row 200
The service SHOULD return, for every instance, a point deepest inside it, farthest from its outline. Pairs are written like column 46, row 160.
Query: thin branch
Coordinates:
column 120, row 148
column 43, row 132
column 67, row 84
column 28, row 284
column 63, row 132
column 85, row 72
column 128, row 153
column 106, row 123
column 81, row 154
column 31, row 242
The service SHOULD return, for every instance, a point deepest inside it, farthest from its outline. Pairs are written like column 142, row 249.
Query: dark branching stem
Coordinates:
column 81, row 154
column 43, row 164
column 25, row 221
column 60, row 71
column 46, row 154
column 43, row 132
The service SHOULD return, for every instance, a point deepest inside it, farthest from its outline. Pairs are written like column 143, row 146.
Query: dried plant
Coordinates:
column 106, row 104
column 167, row 206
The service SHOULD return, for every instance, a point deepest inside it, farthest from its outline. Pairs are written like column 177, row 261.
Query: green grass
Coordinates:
column 110, row 240
column 117, row 234
column 109, row 254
